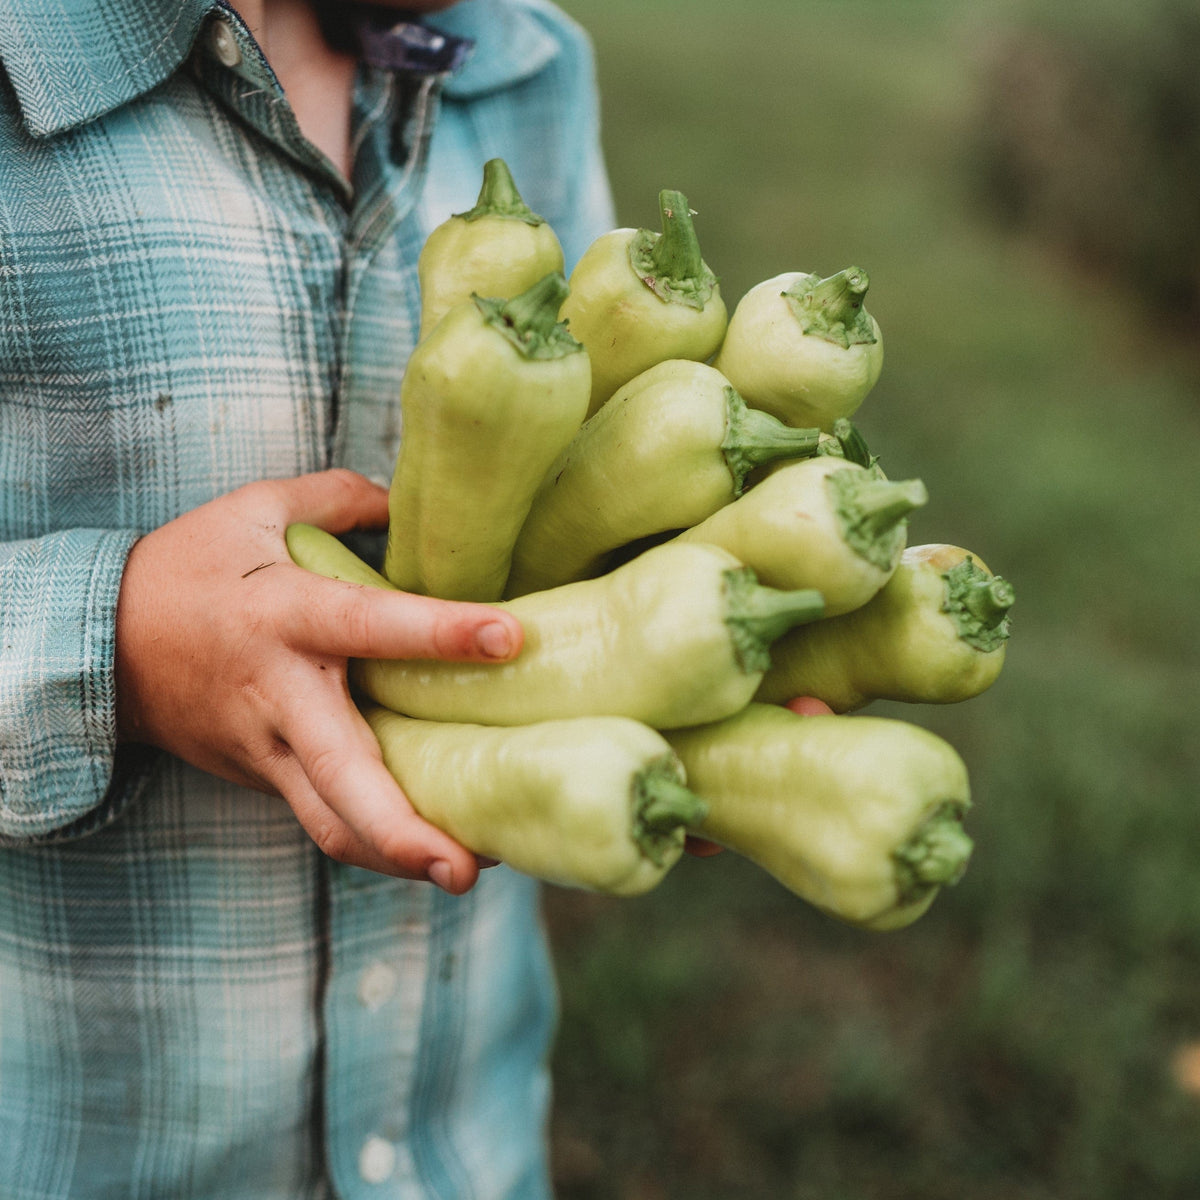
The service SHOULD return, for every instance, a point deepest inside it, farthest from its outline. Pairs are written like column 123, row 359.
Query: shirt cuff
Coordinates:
column 57, row 693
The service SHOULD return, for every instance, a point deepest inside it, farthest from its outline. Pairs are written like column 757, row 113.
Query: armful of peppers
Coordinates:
column 669, row 573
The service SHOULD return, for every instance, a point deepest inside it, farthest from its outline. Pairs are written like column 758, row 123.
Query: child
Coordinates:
column 224, row 971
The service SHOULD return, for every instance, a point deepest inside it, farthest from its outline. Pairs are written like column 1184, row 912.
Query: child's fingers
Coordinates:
column 338, row 500
column 358, row 811
column 351, row 621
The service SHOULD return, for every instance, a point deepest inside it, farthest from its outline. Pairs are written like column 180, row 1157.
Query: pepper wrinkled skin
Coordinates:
column 597, row 803
column 672, row 446
column 791, row 530
column 501, row 247
column 489, row 399
column 859, row 816
column 804, row 374
column 904, row 644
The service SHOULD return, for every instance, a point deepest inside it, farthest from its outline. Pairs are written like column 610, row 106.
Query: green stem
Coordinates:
column 498, row 197
column 757, row 615
column 833, row 308
column 669, row 263
column 754, row 437
column 936, row 854
column 989, row 601
column 854, row 445
column 530, row 320
column 883, row 503
column 676, row 253
column 873, row 513
column 979, row 604
column 661, row 806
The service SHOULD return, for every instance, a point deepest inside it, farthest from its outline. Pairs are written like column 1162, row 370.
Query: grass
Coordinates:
column 720, row 1039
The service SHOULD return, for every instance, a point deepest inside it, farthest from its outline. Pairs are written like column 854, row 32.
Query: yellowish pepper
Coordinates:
column 804, row 348
column 501, row 247
column 671, row 447
column 860, row 816
column 489, row 399
column 936, row 633
column 640, row 297
column 594, row 802
column 824, row 523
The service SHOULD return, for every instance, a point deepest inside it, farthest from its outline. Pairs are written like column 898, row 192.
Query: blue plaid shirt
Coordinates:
column 193, row 1001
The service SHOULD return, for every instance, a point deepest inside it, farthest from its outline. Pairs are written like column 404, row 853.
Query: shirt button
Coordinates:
column 224, row 44
column 376, row 985
column 376, row 1160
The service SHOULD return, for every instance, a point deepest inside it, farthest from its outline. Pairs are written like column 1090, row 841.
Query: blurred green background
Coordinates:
column 1021, row 185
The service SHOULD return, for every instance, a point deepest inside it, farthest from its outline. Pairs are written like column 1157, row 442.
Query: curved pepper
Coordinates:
column 671, row 447
column 860, row 816
column 677, row 636
column 935, row 634
column 595, row 802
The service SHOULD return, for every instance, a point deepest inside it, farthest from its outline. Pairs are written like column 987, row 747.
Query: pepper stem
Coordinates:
column 935, row 855
column 854, row 445
column 873, row 512
column 833, row 308
column 754, row 437
column 662, row 805
column 757, row 615
column 669, row 263
column 676, row 253
column 979, row 604
column 530, row 320
column 883, row 502
column 990, row 600
column 498, row 197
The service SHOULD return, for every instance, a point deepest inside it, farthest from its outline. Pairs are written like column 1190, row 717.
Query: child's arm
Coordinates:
column 234, row 659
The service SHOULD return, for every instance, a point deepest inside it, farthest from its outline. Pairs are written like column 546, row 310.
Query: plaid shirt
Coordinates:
column 193, row 1001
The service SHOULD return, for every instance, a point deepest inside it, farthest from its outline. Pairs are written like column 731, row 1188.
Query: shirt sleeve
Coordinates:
column 58, row 599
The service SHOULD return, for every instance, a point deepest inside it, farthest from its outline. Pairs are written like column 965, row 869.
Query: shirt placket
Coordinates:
column 406, row 68
column 231, row 65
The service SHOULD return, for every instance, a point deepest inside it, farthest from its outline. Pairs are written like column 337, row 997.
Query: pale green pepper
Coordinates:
column 501, row 247
column 804, row 348
column 671, row 447
column 320, row 552
column 859, row 816
column 824, row 523
column 678, row 636
column 488, row 400
column 593, row 802
column 639, row 298
column 935, row 633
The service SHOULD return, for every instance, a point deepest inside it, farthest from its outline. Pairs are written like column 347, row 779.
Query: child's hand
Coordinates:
column 234, row 659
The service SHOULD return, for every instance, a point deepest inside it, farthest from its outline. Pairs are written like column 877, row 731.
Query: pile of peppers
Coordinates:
column 675, row 503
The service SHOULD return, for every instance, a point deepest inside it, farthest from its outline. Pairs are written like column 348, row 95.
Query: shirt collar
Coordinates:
column 70, row 61
column 510, row 44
